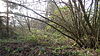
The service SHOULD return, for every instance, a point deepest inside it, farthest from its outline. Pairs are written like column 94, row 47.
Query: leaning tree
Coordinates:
column 84, row 25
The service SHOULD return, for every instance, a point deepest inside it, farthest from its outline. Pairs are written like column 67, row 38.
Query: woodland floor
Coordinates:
column 33, row 49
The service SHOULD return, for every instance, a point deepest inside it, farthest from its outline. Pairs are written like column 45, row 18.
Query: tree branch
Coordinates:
column 43, row 22
column 40, row 15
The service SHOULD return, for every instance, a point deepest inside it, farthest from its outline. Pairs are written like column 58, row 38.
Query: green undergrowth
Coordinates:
column 11, row 48
column 46, row 50
column 43, row 44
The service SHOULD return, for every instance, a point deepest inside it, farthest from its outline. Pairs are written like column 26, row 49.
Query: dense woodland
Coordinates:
column 50, row 28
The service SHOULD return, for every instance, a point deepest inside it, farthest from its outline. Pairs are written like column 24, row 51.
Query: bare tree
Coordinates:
column 84, row 28
column 7, row 23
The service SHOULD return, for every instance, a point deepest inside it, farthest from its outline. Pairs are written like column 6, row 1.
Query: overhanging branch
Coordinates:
column 43, row 22
column 41, row 16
